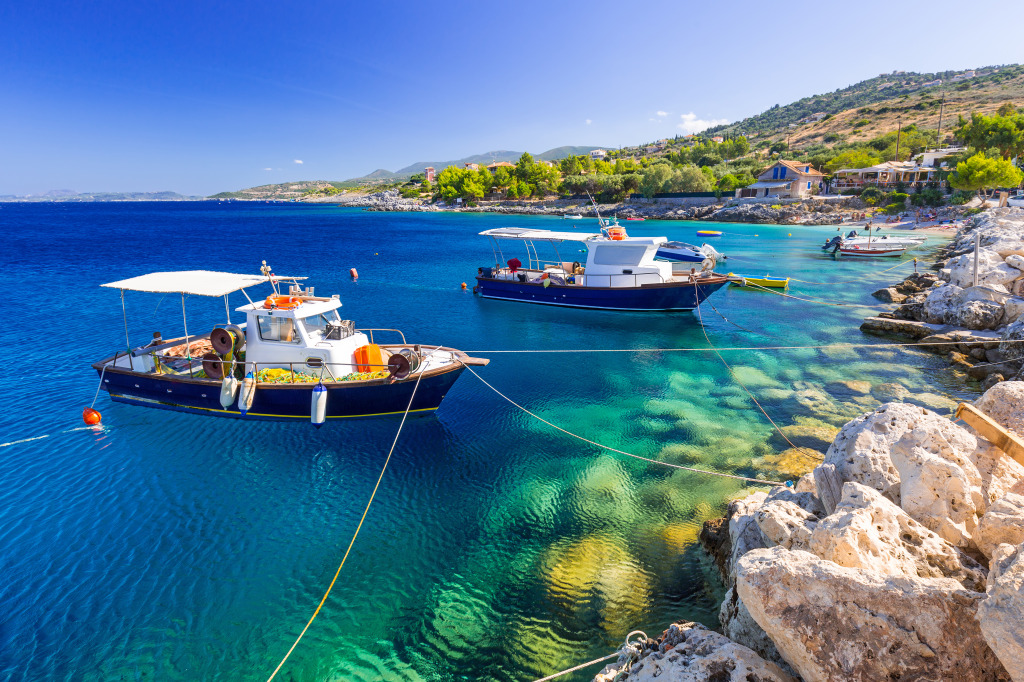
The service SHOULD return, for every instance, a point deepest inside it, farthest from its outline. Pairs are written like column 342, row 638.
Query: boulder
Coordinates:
column 744, row 533
column 1000, row 474
column 1012, row 339
column 991, row 269
column 1001, row 613
column 835, row 623
column 1003, row 523
column 939, row 484
column 979, row 315
column 1015, row 261
column 889, row 295
column 869, row 531
column 1013, row 307
column 785, row 523
column 991, row 380
column 941, row 304
column 1005, row 404
column 690, row 652
column 739, row 626
column 861, row 450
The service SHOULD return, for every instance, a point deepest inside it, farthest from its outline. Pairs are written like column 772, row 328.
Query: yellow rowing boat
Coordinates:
column 766, row 281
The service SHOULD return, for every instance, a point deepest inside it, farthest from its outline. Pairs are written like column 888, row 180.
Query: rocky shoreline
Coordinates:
column 901, row 556
column 784, row 212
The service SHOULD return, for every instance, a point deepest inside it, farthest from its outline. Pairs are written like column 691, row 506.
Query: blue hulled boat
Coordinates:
column 618, row 273
column 293, row 358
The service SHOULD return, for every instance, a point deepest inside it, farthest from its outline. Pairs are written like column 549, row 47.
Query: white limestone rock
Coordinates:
column 1015, row 261
column 1012, row 339
column 1001, row 614
column 869, row 531
column 786, row 523
column 744, row 533
column 861, row 451
column 979, row 315
column 991, row 269
column 1004, row 403
column 690, row 652
column 941, row 304
column 835, row 623
column 939, row 484
column 1002, row 524
column 739, row 626
column 1012, row 309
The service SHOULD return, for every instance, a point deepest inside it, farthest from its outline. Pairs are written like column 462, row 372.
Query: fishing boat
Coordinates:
column 293, row 358
column 873, row 250
column 766, row 281
column 618, row 272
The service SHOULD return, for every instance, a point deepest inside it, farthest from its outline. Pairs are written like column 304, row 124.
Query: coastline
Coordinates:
column 906, row 544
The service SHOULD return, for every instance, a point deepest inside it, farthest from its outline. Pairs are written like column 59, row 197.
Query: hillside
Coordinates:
column 874, row 106
column 72, row 196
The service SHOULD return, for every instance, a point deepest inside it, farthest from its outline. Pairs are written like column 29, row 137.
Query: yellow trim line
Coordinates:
column 260, row 414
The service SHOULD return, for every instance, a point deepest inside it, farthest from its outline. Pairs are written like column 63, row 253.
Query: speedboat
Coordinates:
column 618, row 272
column 572, row 216
column 293, row 358
column 688, row 253
column 852, row 239
column 872, row 250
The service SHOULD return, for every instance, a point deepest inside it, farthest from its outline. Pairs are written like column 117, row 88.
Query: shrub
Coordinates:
column 872, row 196
column 895, row 207
column 927, row 197
column 861, row 122
column 960, row 197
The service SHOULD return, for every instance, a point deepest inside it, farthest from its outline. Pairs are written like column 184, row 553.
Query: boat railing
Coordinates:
column 383, row 329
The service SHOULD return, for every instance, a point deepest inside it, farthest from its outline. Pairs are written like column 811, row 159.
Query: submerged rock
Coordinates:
column 835, row 623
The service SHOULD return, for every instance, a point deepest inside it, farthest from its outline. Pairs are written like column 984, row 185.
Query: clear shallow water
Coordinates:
column 173, row 546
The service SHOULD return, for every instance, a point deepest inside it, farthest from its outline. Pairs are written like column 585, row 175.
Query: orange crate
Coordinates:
column 369, row 358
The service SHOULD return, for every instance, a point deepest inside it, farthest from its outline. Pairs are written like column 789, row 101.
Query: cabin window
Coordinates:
column 316, row 325
column 280, row 329
column 618, row 254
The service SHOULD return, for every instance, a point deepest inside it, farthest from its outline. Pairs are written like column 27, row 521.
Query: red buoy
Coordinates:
column 355, row 275
column 90, row 416
column 463, row 285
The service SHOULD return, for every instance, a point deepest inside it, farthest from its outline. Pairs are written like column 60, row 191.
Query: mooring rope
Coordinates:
column 854, row 281
column 633, row 655
column 828, row 346
column 778, row 428
column 354, row 535
column 581, row 666
column 611, row 449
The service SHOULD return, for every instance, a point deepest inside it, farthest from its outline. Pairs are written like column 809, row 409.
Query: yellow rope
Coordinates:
column 855, row 281
column 621, row 452
column 700, row 317
column 354, row 535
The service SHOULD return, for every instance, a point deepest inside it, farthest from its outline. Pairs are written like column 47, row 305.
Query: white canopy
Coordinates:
column 539, row 235
column 195, row 282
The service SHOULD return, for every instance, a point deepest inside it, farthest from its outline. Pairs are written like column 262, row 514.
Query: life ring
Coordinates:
column 282, row 302
column 616, row 233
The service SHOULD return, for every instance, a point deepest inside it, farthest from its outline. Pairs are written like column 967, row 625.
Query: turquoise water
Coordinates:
column 174, row 546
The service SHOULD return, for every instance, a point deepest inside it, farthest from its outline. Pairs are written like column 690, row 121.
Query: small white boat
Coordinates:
column 572, row 216
column 873, row 250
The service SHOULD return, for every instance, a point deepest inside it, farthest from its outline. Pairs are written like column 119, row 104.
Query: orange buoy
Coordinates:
column 355, row 275
column 463, row 286
column 90, row 416
column 282, row 302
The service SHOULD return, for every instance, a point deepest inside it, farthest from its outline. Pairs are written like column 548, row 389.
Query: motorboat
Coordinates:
column 882, row 242
column 709, row 233
column 767, row 281
column 618, row 272
column 873, row 250
column 683, row 252
column 292, row 358
column 572, row 216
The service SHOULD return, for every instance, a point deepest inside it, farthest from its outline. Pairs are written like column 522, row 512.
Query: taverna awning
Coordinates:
column 194, row 282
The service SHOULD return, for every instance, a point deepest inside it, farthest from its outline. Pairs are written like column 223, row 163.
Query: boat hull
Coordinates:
column 280, row 402
column 865, row 252
column 651, row 297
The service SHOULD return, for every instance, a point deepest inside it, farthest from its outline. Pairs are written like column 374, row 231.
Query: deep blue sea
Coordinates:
column 179, row 547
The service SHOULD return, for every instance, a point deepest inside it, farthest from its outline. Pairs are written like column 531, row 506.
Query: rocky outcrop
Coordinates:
column 835, row 623
column 690, row 652
column 1002, row 524
column 861, row 451
column 1001, row 613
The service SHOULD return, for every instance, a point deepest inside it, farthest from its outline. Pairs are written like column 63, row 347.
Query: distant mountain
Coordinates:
column 483, row 159
column 70, row 195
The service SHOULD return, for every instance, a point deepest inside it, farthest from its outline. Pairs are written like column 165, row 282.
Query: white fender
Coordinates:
column 318, row 404
column 228, row 391
column 248, row 392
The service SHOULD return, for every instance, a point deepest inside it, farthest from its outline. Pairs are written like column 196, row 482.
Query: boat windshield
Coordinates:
column 316, row 325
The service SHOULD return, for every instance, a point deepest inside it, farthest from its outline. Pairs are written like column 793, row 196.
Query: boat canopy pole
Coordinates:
column 246, row 294
column 227, row 309
column 127, row 343
column 184, row 318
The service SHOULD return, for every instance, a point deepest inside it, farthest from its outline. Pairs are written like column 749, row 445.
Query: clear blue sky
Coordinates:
column 201, row 97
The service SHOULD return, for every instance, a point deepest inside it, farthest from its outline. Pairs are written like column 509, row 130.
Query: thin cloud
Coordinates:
column 270, row 169
column 588, row 121
column 298, row 160
column 692, row 124
column 661, row 113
